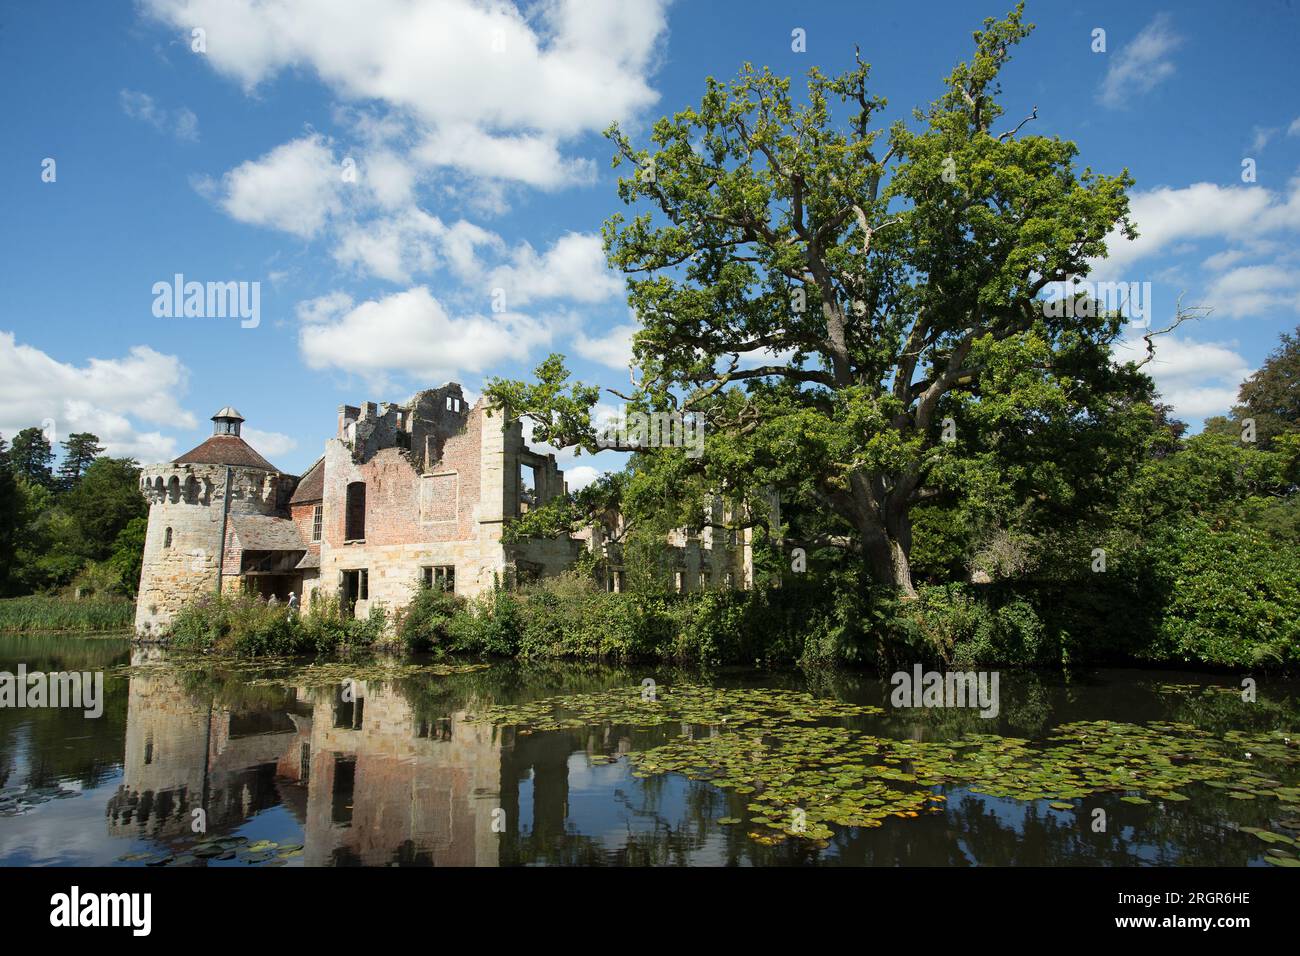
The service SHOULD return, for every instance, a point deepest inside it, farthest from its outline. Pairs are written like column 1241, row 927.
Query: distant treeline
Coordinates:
column 81, row 526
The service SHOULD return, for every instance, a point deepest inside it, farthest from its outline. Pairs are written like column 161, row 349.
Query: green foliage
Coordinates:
column 127, row 558
column 12, row 516
column 900, row 269
column 1270, row 397
column 50, row 531
column 242, row 625
column 48, row 613
column 30, row 457
column 424, row 623
column 560, row 415
column 1231, row 597
column 79, row 451
column 103, row 502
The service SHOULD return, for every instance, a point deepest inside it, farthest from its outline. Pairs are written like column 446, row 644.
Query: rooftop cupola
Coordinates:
column 227, row 421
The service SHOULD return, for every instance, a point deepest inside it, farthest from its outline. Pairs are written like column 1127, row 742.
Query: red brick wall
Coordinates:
column 302, row 515
column 393, row 494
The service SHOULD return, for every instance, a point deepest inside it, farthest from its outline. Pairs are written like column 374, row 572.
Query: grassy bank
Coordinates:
column 39, row 613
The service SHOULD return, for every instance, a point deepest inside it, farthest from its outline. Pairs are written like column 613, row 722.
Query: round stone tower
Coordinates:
column 191, row 500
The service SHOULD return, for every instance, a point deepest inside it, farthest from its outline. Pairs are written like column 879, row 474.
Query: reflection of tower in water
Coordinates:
column 184, row 753
column 370, row 778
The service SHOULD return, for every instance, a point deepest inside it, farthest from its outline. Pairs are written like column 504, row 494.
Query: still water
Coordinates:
column 409, row 772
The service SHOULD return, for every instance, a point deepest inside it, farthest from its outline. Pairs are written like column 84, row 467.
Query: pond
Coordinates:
column 454, row 763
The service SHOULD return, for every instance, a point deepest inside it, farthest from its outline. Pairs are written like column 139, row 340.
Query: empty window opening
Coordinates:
column 354, row 519
column 345, row 779
column 349, row 714
column 167, row 538
column 527, row 488
column 440, row 577
column 453, row 403
column 355, row 587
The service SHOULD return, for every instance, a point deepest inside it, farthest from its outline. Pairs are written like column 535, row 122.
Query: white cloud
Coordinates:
column 296, row 187
column 389, row 178
column 460, row 246
column 106, row 397
column 1261, row 136
column 183, row 124
column 1224, row 259
column 393, row 247
column 525, row 158
column 1294, row 128
column 325, row 307
column 269, row 444
column 467, row 72
column 411, row 332
column 187, row 125
column 580, row 476
column 758, row 357
column 1167, row 216
column 1197, row 378
column 1141, row 65
column 573, row 268
column 1255, row 290
column 613, row 349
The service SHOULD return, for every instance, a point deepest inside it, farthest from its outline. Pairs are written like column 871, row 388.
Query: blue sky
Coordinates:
column 382, row 169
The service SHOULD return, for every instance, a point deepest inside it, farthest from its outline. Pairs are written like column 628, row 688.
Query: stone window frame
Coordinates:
column 167, row 539
column 432, row 574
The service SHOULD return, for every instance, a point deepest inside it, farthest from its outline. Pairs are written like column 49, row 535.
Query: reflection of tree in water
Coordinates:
column 61, row 743
column 426, row 776
column 1221, row 709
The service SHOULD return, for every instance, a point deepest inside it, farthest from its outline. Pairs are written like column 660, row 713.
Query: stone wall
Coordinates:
column 187, row 501
column 432, row 786
column 422, row 511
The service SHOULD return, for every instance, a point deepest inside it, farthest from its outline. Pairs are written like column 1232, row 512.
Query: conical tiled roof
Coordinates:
column 225, row 450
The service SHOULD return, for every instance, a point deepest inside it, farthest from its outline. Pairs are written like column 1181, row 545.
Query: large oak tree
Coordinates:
column 858, row 311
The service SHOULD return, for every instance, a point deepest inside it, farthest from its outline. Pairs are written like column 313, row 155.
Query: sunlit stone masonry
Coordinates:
column 404, row 494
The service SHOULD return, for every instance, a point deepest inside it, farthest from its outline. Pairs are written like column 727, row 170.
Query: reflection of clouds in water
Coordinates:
column 67, row 832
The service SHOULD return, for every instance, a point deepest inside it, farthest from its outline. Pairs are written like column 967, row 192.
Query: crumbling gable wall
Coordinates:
column 433, row 495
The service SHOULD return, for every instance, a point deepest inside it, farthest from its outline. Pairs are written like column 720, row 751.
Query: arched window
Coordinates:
column 354, row 517
column 167, row 538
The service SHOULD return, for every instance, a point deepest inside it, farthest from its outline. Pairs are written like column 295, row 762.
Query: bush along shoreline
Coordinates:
column 834, row 620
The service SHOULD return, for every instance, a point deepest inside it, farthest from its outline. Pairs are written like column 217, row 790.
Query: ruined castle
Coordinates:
column 404, row 495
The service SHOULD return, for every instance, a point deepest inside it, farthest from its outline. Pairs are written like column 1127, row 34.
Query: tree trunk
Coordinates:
column 887, row 555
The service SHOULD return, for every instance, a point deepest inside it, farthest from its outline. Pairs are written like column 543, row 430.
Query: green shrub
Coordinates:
column 489, row 624
column 242, row 625
column 425, row 623
column 1229, row 597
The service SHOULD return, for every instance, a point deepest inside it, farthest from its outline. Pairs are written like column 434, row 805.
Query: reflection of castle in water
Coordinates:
column 369, row 780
